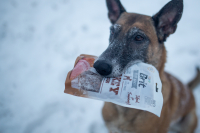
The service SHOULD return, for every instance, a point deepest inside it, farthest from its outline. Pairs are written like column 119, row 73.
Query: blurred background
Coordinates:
column 39, row 42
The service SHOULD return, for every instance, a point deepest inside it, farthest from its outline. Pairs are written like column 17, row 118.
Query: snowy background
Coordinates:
column 39, row 42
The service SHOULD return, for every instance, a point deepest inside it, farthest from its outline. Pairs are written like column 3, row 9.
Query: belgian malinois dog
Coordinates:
column 140, row 37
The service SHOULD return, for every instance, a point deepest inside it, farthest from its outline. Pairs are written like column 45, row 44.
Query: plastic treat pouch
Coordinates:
column 138, row 87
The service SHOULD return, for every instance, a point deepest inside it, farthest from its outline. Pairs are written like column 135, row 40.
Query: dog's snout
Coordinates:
column 102, row 67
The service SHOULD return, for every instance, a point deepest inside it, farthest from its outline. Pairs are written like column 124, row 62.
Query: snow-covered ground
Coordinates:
column 39, row 41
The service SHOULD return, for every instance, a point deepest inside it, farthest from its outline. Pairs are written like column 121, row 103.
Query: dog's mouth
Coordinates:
column 91, row 79
column 112, row 69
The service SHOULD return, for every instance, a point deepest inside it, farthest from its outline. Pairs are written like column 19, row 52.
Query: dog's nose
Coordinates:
column 102, row 67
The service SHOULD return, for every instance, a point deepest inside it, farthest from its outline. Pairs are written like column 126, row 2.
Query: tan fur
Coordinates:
column 178, row 112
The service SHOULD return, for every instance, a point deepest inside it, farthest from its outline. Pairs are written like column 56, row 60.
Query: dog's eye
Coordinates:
column 139, row 38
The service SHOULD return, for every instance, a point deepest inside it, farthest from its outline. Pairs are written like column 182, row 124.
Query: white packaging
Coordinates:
column 139, row 87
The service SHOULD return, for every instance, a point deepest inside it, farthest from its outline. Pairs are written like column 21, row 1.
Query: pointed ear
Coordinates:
column 167, row 18
column 115, row 9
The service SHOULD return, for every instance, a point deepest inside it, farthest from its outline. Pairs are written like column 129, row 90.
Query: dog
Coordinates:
column 140, row 37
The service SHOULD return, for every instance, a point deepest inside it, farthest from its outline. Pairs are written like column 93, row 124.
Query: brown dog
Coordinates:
column 140, row 37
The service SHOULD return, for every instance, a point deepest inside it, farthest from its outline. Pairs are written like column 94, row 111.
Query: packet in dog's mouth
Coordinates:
column 138, row 87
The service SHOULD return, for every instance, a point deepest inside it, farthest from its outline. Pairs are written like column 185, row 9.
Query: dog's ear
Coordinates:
column 115, row 9
column 167, row 18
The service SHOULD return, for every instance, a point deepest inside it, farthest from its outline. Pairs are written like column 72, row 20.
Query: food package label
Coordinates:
column 138, row 87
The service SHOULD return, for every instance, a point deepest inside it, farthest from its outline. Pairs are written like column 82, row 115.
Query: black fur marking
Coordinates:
column 123, row 49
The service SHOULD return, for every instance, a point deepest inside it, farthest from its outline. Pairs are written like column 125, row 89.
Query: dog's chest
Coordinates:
column 122, row 123
column 118, row 126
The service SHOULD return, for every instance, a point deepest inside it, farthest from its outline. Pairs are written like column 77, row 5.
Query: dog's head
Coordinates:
column 137, row 37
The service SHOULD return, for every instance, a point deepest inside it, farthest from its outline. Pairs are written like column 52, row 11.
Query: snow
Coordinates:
column 39, row 42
